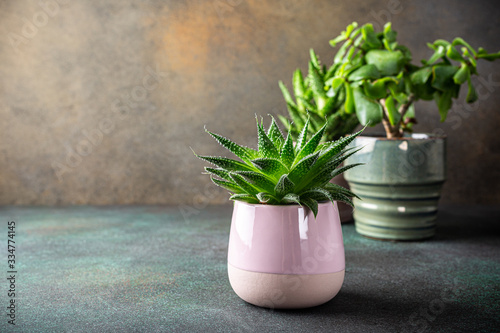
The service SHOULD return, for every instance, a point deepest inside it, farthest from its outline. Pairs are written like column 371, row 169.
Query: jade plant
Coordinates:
column 313, row 102
column 380, row 84
column 281, row 173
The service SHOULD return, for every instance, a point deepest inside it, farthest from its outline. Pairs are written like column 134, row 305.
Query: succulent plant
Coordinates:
column 381, row 85
column 281, row 173
column 314, row 102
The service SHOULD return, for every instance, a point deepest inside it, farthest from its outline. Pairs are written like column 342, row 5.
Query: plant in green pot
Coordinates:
column 401, row 182
column 285, row 245
column 320, row 107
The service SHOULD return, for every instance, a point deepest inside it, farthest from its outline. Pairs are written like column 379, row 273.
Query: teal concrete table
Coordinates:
column 153, row 269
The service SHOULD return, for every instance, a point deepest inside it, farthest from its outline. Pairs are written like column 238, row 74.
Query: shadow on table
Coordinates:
column 351, row 308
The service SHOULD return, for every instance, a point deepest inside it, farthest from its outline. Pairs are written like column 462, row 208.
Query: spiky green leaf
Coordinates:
column 302, row 139
column 334, row 188
column 271, row 167
column 244, row 153
column 335, row 148
column 230, row 186
column 243, row 184
column 286, row 94
column 267, row 198
column 226, row 163
column 303, row 167
column 259, row 180
column 244, row 197
column 311, row 145
column 311, row 204
column 284, row 186
column 221, row 173
column 266, row 146
column 287, row 152
column 291, row 198
column 275, row 135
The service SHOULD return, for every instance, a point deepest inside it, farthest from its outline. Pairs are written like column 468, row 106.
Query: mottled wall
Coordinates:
column 101, row 100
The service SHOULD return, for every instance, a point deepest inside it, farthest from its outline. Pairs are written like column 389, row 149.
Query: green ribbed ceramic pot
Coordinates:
column 400, row 185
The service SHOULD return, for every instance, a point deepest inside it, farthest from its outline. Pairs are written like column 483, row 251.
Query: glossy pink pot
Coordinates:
column 282, row 257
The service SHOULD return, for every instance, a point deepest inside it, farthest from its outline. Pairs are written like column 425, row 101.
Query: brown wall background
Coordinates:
column 83, row 121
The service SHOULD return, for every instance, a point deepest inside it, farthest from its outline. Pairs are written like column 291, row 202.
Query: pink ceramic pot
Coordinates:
column 282, row 257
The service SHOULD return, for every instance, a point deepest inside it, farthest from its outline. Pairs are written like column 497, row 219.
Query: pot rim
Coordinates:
column 290, row 205
column 413, row 136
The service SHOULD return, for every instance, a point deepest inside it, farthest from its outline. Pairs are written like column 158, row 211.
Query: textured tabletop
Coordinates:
column 156, row 269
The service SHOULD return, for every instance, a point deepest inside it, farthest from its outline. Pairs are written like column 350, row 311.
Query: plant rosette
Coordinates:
column 401, row 183
column 285, row 246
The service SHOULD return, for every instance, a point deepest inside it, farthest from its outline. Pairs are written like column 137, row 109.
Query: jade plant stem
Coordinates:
column 395, row 131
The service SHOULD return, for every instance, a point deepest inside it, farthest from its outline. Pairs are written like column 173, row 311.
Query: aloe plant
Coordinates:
column 381, row 84
column 281, row 173
column 315, row 103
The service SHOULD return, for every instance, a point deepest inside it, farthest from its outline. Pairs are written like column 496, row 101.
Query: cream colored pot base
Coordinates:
column 282, row 291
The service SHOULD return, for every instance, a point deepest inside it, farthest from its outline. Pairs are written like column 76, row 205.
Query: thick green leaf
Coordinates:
column 442, row 77
column 302, row 139
column 314, row 59
column 295, row 115
column 226, row 163
column 284, row 186
column 335, row 149
column 460, row 41
column 421, row 76
column 453, row 54
column 243, row 184
column 471, row 93
column 334, row 188
column 461, row 75
column 244, row 153
column 245, row 198
column 286, row 94
column 389, row 34
column 387, row 62
column 349, row 100
column 267, row 198
column 271, row 167
column 342, row 197
column 298, row 87
column 266, row 146
column 369, row 36
column 311, row 204
column 344, row 169
column 274, row 134
column 221, row 173
column 287, row 152
column 424, row 91
column 260, row 181
column 303, row 167
column 444, row 103
column 337, row 39
column 439, row 52
column 392, row 112
column 368, row 111
column 342, row 50
column 375, row 90
column 291, row 198
column 317, row 86
column 364, row 72
column 310, row 107
column 311, row 145
column 319, row 176
column 230, row 186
